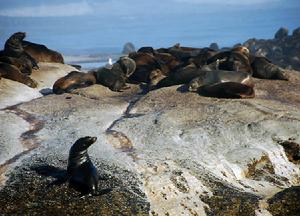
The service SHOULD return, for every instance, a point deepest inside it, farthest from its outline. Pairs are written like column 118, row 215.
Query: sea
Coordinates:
column 91, row 40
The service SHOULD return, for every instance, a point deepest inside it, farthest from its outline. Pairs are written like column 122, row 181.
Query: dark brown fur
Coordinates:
column 41, row 53
column 11, row 72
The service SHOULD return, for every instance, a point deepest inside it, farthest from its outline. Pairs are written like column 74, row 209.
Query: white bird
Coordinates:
column 109, row 63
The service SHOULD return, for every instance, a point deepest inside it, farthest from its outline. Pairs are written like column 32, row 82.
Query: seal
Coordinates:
column 223, row 84
column 264, row 69
column 145, row 63
column 41, row 53
column 227, row 90
column 208, row 78
column 237, row 59
column 81, row 172
column 73, row 80
column 11, row 72
column 13, row 48
column 114, row 78
column 21, row 65
column 181, row 76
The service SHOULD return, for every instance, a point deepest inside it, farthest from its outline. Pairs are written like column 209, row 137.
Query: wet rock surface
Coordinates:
column 167, row 152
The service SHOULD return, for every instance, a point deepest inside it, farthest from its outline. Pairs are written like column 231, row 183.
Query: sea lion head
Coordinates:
column 128, row 65
column 18, row 36
column 82, row 144
column 242, row 49
column 195, row 84
column 15, row 41
column 73, row 81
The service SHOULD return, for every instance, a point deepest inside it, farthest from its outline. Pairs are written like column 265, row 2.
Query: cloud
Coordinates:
column 227, row 2
column 67, row 9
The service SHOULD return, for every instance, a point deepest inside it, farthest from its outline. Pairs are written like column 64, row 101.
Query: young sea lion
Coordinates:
column 81, row 172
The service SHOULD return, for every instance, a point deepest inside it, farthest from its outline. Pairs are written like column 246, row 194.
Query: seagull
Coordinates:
column 109, row 63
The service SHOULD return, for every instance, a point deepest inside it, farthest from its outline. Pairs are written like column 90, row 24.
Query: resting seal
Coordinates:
column 81, row 172
column 114, row 78
column 237, row 59
column 264, row 69
column 13, row 48
column 220, row 76
column 21, row 65
column 227, row 90
column 73, row 80
column 11, row 72
column 41, row 53
column 145, row 63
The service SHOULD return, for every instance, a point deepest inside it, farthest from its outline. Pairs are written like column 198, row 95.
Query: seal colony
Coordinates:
column 203, row 70
column 226, row 74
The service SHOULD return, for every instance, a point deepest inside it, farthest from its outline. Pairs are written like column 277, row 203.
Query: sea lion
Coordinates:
column 146, row 49
column 145, row 63
column 201, row 59
column 264, row 69
column 207, row 78
column 13, row 48
column 21, row 65
column 116, row 77
column 227, row 90
column 11, row 72
column 237, row 59
column 41, row 53
column 181, row 76
column 183, row 54
column 81, row 172
column 73, row 80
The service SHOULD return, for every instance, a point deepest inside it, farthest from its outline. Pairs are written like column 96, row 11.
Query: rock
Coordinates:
column 285, row 202
column 214, row 46
column 128, row 48
column 296, row 32
column 12, row 92
column 167, row 152
column 281, row 33
column 283, row 50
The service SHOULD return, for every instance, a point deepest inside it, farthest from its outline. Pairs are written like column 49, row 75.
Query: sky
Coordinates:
column 77, row 25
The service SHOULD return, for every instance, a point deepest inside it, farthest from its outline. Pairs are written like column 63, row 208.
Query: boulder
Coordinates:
column 281, row 33
column 167, row 152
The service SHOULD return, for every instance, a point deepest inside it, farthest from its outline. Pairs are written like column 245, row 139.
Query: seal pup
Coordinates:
column 81, row 172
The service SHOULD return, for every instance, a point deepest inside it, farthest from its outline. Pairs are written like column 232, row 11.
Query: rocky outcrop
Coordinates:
column 283, row 50
column 167, row 152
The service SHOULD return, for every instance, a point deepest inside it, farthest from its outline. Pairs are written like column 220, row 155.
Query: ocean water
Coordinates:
column 96, row 34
